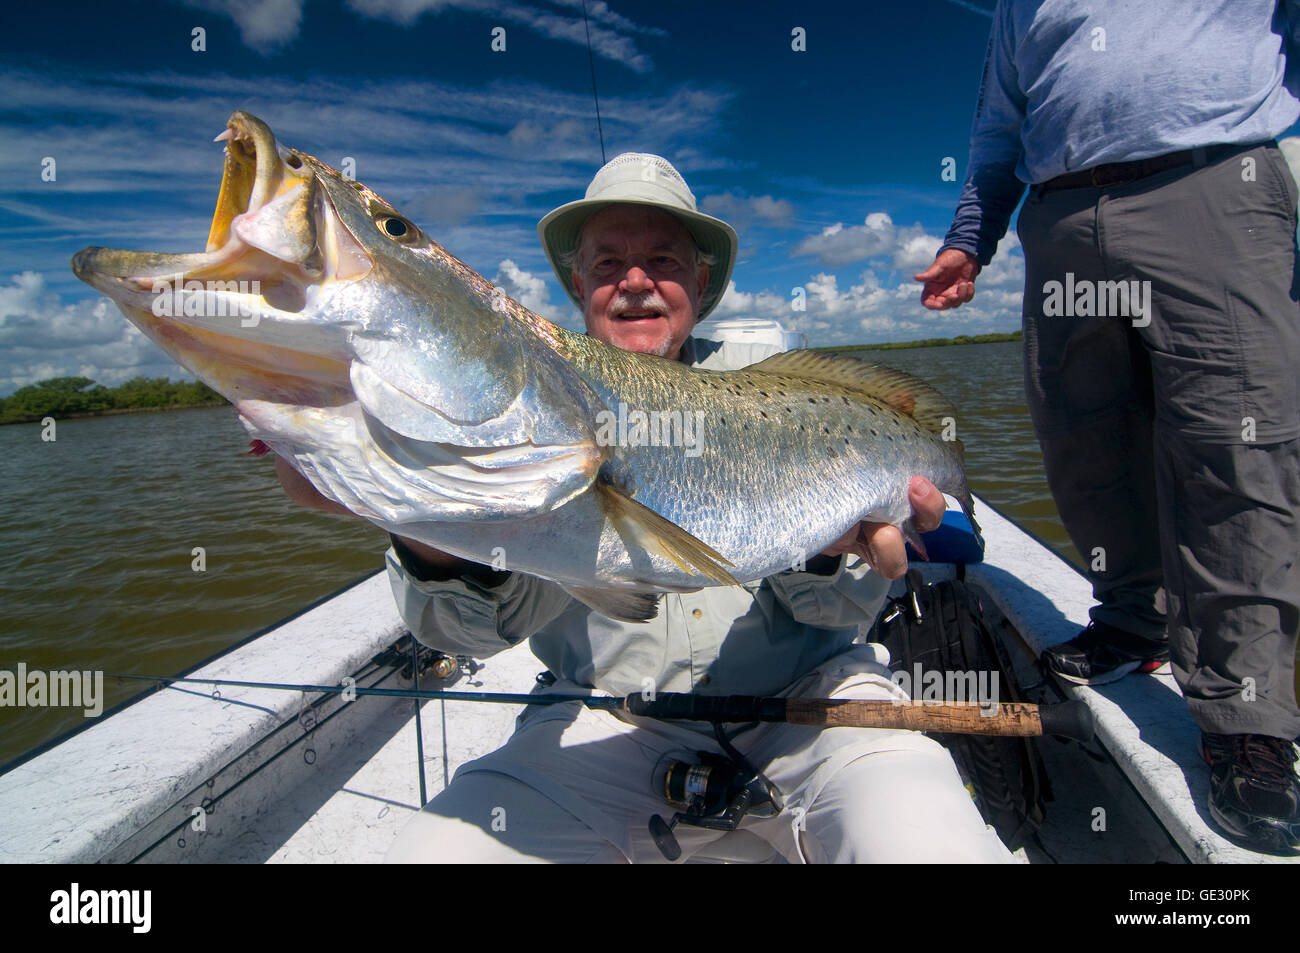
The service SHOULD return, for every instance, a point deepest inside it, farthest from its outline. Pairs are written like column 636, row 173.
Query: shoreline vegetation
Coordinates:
column 67, row 397
column 928, row 342
column 64, row 398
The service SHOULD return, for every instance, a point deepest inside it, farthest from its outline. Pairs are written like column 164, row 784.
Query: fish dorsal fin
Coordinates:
column 907, row 394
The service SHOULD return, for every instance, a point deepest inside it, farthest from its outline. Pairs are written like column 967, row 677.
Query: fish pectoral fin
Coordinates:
column 912, row 536
column 625, row 605
column 643, row 527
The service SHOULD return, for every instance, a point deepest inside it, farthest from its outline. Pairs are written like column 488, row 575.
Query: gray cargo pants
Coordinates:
column 1171, row 438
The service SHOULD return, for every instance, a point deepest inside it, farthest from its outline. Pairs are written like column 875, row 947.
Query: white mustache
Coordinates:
column 650, row 301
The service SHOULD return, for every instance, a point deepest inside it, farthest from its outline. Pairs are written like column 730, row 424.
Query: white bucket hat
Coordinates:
column 637, row 178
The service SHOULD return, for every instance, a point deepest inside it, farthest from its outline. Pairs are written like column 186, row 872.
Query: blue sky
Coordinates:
column 827, row 161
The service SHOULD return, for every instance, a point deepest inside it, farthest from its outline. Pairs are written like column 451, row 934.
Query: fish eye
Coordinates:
column 398, row 228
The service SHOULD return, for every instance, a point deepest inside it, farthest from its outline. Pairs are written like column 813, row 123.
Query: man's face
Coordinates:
column 636, row 277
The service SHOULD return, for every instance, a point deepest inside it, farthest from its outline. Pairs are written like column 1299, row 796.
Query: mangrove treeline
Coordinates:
column 80, row 396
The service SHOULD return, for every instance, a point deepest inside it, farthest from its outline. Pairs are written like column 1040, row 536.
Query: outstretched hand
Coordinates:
column 950, row 281
column 881, row 545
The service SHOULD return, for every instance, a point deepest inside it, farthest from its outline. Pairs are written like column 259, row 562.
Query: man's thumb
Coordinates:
column 930, row 273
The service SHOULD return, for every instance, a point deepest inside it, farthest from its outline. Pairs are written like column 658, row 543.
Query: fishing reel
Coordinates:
column 440, row 665
column 715, row 794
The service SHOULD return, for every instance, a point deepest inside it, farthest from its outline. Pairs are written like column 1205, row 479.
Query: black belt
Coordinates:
column 1119, row 173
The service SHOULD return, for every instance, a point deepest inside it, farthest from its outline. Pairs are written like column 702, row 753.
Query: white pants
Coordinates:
column 573, row 785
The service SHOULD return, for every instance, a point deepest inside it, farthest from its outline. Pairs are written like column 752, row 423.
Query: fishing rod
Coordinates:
column 1070, row 719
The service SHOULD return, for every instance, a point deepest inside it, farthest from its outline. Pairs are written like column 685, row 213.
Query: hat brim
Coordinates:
column 559, row 232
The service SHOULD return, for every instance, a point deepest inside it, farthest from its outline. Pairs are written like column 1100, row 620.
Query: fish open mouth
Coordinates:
column 248, row 177
column 242, row 313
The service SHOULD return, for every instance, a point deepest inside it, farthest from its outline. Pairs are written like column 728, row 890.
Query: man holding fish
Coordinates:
column 575, row 785
column 394, row 383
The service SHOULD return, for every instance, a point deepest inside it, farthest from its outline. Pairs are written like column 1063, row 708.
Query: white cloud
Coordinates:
column 605, row 42
column 264, row 25
column 268, row 25
column 871, row 310
column 915, row 253
column 838, row 245
column 829, row 315
column 42, row 337
column 740, row 211
column 439, row 151
column 908, row 250
column 1290, row 147
column 598, row 11
column 753, row 304
column 1006, row 270
column 476, row 166
column 528, row 289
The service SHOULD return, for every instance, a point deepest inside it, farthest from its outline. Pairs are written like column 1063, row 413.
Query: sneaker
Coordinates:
column 1102, row 653
column 1254, row 791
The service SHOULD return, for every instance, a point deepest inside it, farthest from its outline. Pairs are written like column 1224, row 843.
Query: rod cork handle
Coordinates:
column 1009, row 719
column 1015, row 719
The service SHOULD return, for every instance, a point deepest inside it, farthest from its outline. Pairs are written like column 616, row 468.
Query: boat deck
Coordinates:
column 355, row 813
column 1142, row 722
column 258, row 775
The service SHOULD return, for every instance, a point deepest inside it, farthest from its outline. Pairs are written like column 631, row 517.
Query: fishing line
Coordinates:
column 503, row 698
column 1015, row 719
column 591, row 61
column 419, row 725
column 211, row 802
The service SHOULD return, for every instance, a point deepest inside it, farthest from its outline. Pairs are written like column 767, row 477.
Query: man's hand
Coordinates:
column 881, row 545
column 950, row 281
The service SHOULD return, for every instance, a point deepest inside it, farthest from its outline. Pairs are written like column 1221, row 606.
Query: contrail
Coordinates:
column 974, row 8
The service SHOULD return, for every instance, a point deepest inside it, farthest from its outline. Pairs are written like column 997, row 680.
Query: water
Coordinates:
column 985, row 382
column 98, row 530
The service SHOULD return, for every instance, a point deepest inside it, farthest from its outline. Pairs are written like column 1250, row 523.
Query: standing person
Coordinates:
column 1162, row 340
column 576, row 785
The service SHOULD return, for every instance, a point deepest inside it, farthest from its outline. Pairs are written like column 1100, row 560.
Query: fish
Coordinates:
column 409, row 389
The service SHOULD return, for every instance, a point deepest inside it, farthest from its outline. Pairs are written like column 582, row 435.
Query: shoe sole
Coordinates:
column 1262, row 837
column 1150, row 667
